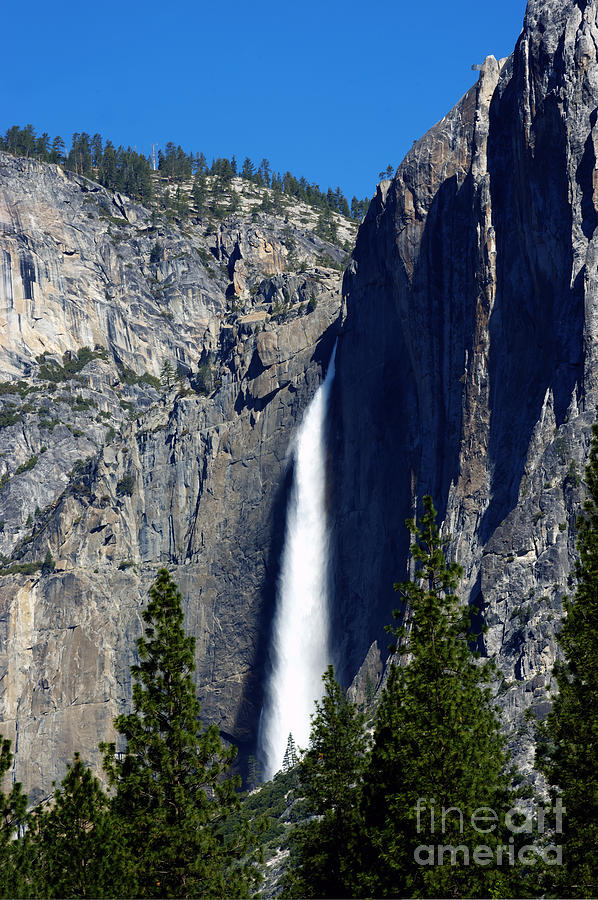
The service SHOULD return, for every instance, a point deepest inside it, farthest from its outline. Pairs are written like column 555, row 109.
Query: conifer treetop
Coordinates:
column 172, row 793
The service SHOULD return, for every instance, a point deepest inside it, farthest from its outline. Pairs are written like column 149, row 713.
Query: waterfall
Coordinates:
column 300, row 639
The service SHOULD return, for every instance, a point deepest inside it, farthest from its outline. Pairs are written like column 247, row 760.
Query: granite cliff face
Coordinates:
column 467, row 366
column 114, row 475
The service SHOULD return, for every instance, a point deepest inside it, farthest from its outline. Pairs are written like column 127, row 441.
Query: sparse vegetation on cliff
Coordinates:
column 567, row 745
column 131, row 173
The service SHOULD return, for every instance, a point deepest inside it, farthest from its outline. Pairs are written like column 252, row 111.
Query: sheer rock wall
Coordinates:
column 467, row 362
column 116, row 476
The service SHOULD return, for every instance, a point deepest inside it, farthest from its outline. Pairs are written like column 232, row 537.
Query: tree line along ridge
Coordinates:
column 131, row 173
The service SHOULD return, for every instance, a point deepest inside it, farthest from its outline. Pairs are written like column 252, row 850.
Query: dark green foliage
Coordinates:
column 181, row 204
column 265, row 171
column 72, row 363
column 79, row 158
column 290, row 758
column 332, row 201
column 568, row 741
column 358, row 208
column 254, row 772
column 120, row 170
column 167, row 375
column 324, row 259
column 27, row 465
column 49, row 564
column 78, row 468
column 267, row 205
column 19, row 387
column 223, row 169
column 126, row 171
column 13, row 817
column 437, row 735
column 174, row 163
column 156, row 253
column 171, row 793
column 131, row 173
column 77, row 846
column 204, row 381
column 248, row 170
column 279, row 310
column 312, row 304
column 29, row 568
column 323, row 849
column 289, row 240
column 96, row 150
column 326, row 227
column 128, row 376
column 48, row 424
column 125, row 486
column 267, row 810
column 23, row 142
column 572, row 477
column 172, row 828
column 387, row 173
column 80, row 404
column 57, row 151
column 151, row 380
column 199, row 191
column 9, row 416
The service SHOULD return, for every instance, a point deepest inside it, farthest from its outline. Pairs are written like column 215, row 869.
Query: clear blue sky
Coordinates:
column 333, row 91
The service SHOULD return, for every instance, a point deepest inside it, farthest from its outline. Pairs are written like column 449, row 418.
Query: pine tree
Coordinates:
column 49, row 563
column 324, row 849
column 254, row 773
column 77, row 845
column 437, row 744
column 569, row 741
column 248, row 170
column 265, row 171
column 171, row 793
column 108, row 171
column 201, row 163
column 234, row 201
column 290, row 754
column 57, row 151
column 97, row 150
column 198, row 192
column 167, row 375
column 181, row 203
column 14, row 858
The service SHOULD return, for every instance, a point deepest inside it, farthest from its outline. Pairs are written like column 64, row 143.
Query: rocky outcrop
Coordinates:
column 362, row 689
column 106, row 474
column 78, row 269
column 466, row 368
column 189, row 485
column 467, row 363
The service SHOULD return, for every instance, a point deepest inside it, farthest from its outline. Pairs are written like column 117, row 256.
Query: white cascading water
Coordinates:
column 300, row 634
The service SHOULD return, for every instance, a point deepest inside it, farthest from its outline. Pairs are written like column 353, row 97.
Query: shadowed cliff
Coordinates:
column 467, row 361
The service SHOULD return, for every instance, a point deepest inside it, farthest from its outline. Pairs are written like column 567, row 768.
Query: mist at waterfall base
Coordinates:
column 300, row 633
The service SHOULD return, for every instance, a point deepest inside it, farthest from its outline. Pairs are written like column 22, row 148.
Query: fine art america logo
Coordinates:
column 485, row 820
